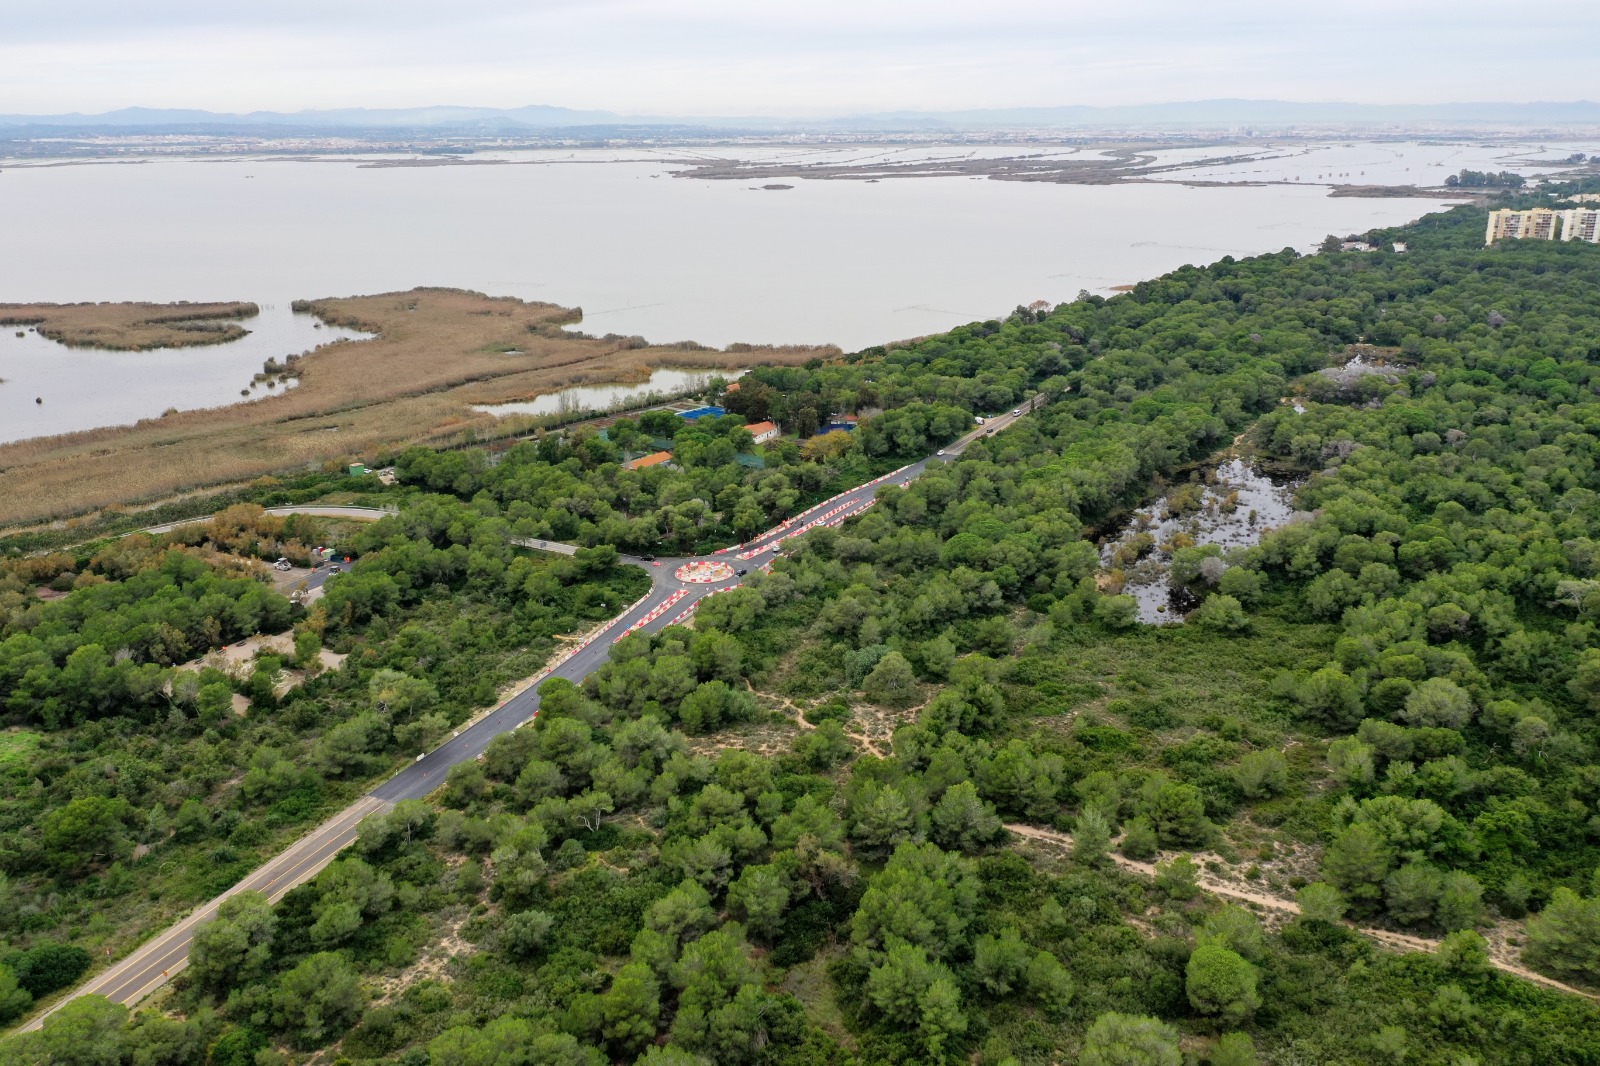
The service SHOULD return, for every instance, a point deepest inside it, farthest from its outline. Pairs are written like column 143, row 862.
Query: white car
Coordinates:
column 939, row 452
column 1018, row 411
column 281, row 564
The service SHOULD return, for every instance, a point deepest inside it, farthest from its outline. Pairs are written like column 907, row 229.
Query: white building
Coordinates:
column 1581, row 224
column 763, row 432
column 1537, row 224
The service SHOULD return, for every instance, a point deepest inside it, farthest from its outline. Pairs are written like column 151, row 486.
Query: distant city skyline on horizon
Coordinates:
column 672, row 58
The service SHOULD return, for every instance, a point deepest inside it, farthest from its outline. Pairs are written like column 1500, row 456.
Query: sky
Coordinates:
column 782, row 58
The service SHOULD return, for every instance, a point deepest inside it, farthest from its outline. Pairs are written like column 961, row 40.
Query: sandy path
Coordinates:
column 1229, row 890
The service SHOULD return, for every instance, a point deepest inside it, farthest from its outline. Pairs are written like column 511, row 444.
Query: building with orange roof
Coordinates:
column 764, row 431
column 653, row 459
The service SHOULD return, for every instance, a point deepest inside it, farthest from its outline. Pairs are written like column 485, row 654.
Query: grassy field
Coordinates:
column 17, row 748
column 131, row 327
column 437, row 353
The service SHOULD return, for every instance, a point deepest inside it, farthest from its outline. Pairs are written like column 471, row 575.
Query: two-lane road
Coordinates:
column 147, row 968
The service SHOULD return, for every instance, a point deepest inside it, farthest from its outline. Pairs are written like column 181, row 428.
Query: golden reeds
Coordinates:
column 132, row 327
column 437, row 353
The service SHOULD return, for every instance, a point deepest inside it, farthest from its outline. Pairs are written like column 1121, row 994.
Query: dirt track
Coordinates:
column 1218, row 887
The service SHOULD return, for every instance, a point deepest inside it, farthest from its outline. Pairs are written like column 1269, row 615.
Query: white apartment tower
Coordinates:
column 1538, row 224
column 1581, row 224
column 1543, row 224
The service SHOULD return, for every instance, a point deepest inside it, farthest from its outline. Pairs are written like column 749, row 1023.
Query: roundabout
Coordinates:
column 703, row 571
column 668, row 602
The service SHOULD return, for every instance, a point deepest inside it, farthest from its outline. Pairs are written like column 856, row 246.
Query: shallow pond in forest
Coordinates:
column 1232, row 508
column 663, row 384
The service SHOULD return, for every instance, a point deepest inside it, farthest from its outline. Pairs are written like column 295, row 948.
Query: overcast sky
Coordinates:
column 815, row 58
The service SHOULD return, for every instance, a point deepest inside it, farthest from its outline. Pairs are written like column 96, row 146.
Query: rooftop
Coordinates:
column 653, row 459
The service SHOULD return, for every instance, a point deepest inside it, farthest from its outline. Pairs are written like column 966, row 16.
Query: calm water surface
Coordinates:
column 82, row 388
column 640, row 251
column 663, row 382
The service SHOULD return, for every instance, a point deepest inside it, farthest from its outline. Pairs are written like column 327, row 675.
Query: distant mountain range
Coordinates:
column 1205, row 113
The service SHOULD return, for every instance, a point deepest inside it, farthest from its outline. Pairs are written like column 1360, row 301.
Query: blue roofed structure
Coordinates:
column 702, row 412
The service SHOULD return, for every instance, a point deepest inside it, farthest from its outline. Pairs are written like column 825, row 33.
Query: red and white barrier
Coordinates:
column 689, row 610
column 788, row 522
column 831, row 518
column 655, row 612
column 746, row 552
column 544, row 675
column 603, row 630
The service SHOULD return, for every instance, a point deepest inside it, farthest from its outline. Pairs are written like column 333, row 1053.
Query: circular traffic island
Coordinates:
column 704, row 572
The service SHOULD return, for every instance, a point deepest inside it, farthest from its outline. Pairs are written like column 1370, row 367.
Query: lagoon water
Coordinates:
column 642, row 252
column 81, row 388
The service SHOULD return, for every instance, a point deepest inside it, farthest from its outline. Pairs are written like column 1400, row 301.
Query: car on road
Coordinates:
column 741, row 573
column 281, row 564
column 647, row 558
column 1018, row 411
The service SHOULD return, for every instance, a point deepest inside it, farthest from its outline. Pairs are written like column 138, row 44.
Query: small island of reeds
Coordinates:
column 132, row 327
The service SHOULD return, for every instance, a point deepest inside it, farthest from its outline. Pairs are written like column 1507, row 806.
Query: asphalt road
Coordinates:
column 146, row 969
column 149, row 967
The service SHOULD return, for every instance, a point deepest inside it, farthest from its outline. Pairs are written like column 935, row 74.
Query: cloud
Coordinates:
column 814, row 58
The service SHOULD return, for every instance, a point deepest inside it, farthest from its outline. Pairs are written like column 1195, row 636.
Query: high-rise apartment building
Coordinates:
column 1581, row 224
column 1538, row 224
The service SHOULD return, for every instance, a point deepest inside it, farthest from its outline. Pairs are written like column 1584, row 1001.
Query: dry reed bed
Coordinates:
column 437, row 352
column 132, row 326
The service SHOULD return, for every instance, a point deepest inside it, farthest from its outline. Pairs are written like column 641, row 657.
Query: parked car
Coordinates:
column 282, row 564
